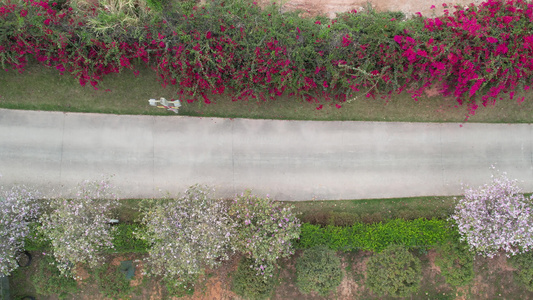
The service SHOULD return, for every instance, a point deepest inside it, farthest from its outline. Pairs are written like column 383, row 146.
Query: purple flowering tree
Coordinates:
column 78, row 228
column 265, row 229
column 494, row 217
column 19, row 206
column 187, row 234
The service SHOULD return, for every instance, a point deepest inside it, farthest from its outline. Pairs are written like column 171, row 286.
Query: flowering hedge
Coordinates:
column 494, row 217
column 235, row 48
column 186, row 234
column 265, row 229
column 78, row 229
column 18, row 207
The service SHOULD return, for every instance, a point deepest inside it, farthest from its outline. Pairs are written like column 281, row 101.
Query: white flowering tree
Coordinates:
column 19, row 206
column 265, row 229
column 496, row 217
column 186, row 234
column 78, row 228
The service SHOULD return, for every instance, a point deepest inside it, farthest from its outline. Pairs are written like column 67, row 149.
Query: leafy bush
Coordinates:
column 523, row 263
column 49, row 281
column 495, row 217
column 248, row 284
column 179, row 288
column 264, row 230
column 186, row 234
column 394, row 271
column 18, row 207
column 419, row 233
column 126, row 239
column 78, row 229
column 318, row 269
column 456, row 262
column 112, row 283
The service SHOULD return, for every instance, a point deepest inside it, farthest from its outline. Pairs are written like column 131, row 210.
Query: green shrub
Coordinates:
column 249, row 284
column 318, row 270
column 456, row 262
column 48, row 280
column 112, row 283
column 394, row 271
column 36, row 241
column 179, row 288
column 524, row 265
column 419, row 233
column 126, row 239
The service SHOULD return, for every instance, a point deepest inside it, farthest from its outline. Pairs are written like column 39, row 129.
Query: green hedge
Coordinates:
column 419, row 233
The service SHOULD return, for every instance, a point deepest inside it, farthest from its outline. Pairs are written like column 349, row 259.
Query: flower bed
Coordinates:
column 237, row 49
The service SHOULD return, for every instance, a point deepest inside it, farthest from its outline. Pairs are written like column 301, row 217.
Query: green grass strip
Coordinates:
column 41, row 88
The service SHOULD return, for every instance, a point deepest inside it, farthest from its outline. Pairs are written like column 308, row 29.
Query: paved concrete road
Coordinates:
column 290, row 160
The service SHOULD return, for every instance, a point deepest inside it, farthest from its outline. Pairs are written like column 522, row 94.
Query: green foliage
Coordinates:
column 36, row 241
column 394, row 272
column 264, row 230
column 49, row 281
column 419, row 233
column 249, row 284
column 318, row 269
column 112, row 283
column 523, row 263
column 456, row 262
column 186, row 234
column 179, row 288
column 157, row 5
column 126, row 239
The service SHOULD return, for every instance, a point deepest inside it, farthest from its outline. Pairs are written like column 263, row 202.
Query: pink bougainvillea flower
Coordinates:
column 325, row 84
column 398, row 39
column 338, row 105
column 432, row 7
column 346, row 40
column 23, row 13
column 318, row 22
column 47, row 22
column 492, row 40
column 502, row 49
column 208, row 35
column 319, row 107
column 422, row 53
column 222, row 28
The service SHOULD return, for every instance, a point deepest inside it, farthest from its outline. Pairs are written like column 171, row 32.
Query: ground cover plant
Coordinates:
column 236, row 49
column 318, row 270
column 394, row 272
column 48, row 280
column 523, row 263
column 247, row 283
column 456, row 262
